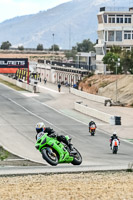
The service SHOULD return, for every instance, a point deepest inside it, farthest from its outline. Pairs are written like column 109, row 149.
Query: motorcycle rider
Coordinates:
column 114, row 136
column 91, row 123
column 41, row 129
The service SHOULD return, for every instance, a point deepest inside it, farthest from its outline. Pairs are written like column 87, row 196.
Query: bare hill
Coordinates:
column 105, row 85
column 70, row 22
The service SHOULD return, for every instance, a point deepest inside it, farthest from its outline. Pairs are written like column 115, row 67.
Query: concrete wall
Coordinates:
column 20, row 84
column 79, row 106
column 91, row 97
column 94, row 113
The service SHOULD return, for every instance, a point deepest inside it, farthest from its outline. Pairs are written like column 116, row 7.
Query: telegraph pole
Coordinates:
column 117, row 65
column 53, row 43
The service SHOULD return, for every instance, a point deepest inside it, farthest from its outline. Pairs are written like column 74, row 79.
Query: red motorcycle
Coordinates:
column 92, row 129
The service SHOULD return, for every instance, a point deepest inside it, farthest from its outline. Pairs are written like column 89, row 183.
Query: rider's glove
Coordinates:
column 53, row 135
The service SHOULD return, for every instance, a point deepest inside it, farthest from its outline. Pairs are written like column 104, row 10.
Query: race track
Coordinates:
column 19, row 115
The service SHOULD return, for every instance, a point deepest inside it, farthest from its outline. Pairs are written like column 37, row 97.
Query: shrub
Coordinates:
column 3, row 154
column 21, row 48
column 131, row 104
column 104, row 84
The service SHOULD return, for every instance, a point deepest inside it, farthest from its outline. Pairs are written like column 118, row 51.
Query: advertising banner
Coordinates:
column 11, row 65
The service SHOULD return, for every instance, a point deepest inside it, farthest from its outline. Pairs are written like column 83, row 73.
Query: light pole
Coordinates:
column 104, row 55
column 69, row 37
column 117, row 65
column 53, row 43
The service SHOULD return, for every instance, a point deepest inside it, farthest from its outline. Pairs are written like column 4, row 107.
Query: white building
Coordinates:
column 62, row 74
column 88, row 58
column 115, row 27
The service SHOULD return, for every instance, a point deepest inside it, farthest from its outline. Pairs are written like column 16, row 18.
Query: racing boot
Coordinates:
column 72, row 150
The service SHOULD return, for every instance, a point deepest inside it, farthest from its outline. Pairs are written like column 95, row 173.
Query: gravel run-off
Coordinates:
column 82, row 186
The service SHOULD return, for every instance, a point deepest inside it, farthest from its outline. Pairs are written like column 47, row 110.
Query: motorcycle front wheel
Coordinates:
column 77, row 158
column 50, row 156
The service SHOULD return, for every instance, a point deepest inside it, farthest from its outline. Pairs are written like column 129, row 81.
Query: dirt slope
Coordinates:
column 105, row 85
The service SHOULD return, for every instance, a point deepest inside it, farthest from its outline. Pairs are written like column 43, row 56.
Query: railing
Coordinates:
column 74, row 65
column 114, row 9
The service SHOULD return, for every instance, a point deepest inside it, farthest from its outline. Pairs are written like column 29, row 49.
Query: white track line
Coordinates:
column 37, row 116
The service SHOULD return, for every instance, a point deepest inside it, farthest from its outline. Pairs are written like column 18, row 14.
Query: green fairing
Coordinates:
column 63, row 153
column 67, row 137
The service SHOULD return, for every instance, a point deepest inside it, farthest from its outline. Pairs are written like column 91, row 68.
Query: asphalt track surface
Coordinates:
column 19, row 115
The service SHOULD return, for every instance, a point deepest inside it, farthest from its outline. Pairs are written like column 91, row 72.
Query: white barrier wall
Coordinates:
column 19, row 84
column 91, row 97
column 95, row 113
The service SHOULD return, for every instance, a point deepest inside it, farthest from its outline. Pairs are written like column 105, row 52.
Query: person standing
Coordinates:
column 59, row 87
column 45, row 80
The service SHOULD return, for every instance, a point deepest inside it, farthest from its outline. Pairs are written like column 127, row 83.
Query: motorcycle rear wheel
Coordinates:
column 50, row 156
column 77, row 158
column 115, row 149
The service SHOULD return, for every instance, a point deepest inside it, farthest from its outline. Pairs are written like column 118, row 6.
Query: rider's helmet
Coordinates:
column 114, row 134
column 40, row 127
column 92, row 120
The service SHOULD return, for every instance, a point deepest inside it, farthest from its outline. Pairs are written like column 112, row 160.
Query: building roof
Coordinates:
column 117, row 9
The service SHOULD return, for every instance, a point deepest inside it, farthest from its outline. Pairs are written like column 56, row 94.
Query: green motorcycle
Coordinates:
column 55, row 152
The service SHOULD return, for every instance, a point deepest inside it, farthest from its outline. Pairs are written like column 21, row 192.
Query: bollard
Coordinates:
column 112, row 120
column 34, row 88
column 117, row 120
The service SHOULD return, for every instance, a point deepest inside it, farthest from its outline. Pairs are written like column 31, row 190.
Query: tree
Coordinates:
column 71, row 54
column 131, row 66
column 111, row 59
column 116, row 49
column 54, row 47
column 5, row 45
column 40, row 47
column 127, row 61
column 21, row 48
column 85, row 46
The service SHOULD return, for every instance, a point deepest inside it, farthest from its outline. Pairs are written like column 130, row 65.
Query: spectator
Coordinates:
column 59, row 87
column 45, row 80
column 75, row 86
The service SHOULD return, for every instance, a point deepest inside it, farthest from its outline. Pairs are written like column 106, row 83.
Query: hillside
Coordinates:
column 105, row 85
column 70, row 22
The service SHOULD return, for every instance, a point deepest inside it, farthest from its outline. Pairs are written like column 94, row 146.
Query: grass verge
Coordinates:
column 130, row 140
column 12, row 85
column 9, row 159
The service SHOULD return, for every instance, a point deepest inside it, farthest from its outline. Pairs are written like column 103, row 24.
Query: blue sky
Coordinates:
column 13, row 8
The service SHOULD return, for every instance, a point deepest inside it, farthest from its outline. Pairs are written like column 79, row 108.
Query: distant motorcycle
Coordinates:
column 55, row 152
column 92, row 129
column 115, row 146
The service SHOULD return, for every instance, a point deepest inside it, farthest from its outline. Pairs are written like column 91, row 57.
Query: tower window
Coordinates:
column 110, row 35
